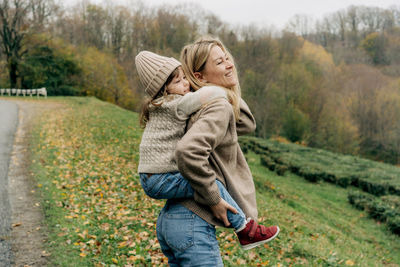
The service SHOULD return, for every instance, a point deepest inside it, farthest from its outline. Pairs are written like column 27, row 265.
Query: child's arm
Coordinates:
column 193, row 101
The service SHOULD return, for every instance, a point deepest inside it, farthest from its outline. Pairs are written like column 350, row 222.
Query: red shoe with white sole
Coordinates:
column 254, row 235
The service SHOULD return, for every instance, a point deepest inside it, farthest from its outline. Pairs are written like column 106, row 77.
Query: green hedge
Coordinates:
column 320, row 165
column 316, row 165
column 383, row 209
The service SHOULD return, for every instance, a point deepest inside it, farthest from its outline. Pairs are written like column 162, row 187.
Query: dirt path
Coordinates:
column 28, row 230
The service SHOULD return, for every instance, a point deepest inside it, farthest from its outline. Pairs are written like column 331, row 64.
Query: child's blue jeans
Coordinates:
column 173, row 185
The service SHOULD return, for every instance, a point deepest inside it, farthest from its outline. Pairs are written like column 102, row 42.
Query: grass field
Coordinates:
column 84, row 158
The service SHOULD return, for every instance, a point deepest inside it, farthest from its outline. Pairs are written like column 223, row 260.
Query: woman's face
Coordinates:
column 218, row 69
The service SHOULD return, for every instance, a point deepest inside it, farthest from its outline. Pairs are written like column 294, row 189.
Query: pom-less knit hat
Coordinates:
column 154, row 70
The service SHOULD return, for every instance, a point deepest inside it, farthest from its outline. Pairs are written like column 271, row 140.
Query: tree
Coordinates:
column 14, row 26
column 300, row 24
column 296, row 124
column 374, row 45
column 362, row 86
column 41, row 11
column 95, row 18
column 104, row 78
column 50, row 63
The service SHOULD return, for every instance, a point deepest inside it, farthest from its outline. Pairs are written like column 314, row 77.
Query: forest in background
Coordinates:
column 332, row 83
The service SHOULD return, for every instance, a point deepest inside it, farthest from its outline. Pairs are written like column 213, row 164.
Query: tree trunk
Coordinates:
column 13, row 66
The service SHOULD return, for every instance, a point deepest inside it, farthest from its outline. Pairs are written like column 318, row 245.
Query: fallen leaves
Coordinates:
column 90, row 159
column 94, row 180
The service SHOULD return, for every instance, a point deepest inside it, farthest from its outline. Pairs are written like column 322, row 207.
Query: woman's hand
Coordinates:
column 220, row 211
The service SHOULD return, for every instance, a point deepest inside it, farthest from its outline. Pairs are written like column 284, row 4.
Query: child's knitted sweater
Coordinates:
column 166, row 126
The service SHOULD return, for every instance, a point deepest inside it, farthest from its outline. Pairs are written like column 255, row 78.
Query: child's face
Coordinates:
column 179, row 85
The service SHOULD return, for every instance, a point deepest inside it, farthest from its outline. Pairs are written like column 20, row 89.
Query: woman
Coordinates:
column 208, row 151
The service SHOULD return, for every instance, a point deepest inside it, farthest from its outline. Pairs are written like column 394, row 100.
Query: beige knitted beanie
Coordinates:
column 154, row 70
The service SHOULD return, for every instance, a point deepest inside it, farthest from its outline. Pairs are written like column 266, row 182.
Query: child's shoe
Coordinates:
column 254, row 235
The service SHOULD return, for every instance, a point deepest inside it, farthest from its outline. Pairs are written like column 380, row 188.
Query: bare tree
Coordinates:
column 300, row 24
column 40, row 11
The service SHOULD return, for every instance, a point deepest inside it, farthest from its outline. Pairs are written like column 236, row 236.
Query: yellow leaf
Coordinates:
column 350, row 263
column 114, row 260
column 122, row 244
column 252, row 255
column 82, row 254
column 240, row 261
column 228, row 245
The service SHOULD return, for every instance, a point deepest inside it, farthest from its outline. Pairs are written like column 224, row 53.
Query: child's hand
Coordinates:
column 220, row 211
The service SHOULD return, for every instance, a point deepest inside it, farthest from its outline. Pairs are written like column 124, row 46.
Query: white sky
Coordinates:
column 265, row 12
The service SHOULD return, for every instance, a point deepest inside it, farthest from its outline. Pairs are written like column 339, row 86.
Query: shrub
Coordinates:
column 376, row 210
column 394, row 224
column 392, row 200
column 281, row 169
column 315, row 164
column 342, row 181
column 381, row 209
column 267, row 162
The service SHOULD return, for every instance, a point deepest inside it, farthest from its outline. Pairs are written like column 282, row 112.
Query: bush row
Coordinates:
column 378, row 208
column 316, row 165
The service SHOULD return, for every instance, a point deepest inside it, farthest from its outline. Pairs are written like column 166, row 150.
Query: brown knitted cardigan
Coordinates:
column 209, row 150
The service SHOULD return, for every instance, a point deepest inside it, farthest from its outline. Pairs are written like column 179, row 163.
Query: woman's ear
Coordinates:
column 199, row 76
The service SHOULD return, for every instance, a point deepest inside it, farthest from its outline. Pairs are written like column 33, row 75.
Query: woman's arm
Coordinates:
column 246, row 123
column 193, row 150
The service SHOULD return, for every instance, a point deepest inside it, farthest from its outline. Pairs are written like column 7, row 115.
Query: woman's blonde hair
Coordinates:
column 194, row 57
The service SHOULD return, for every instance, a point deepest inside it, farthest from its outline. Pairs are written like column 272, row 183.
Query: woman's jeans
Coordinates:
column 185, row 238
column 173, row 185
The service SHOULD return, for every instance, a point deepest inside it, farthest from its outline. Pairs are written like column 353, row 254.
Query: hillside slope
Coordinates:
column 85, row 159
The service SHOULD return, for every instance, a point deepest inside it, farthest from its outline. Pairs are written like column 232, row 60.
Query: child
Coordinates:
column 164, row 118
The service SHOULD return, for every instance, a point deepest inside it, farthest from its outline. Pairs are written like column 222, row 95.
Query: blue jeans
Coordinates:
column 185, row 238
column 173, row 185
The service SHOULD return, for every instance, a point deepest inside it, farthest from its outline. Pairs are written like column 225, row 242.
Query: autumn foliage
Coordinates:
column 332, row 83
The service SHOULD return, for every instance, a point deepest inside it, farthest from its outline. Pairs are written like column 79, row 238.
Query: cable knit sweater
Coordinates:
column 166, row 126
column 208, row 151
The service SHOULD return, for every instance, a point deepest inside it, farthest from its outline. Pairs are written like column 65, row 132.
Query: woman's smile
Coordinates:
column 219, row 69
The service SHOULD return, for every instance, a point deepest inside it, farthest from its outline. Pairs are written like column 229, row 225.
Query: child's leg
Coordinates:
column 166, row 185
column 238, row 220
column 174, row 185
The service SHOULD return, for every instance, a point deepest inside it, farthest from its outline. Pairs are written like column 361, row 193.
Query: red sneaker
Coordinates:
column 254, row 235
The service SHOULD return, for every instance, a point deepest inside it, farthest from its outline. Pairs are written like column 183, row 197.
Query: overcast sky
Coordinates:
column 266, row 12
